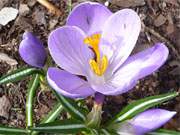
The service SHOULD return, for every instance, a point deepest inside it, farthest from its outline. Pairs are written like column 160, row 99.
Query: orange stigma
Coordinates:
column 98, row 65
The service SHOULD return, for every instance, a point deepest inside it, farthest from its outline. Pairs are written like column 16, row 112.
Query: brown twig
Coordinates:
column 50, row 7
column 169, row 44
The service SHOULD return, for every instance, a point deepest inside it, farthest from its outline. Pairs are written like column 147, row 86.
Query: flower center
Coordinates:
column 99, row 64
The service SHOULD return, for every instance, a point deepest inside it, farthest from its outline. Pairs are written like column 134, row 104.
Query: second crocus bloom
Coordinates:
column 145, row 122
column 32, row 50
column 96, row 44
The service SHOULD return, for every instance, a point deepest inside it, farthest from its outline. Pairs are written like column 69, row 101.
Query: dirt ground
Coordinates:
column 160, row 23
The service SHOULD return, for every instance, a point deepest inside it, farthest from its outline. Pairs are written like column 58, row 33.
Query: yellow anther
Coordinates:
column 99, row 69
column 104, row 64
column 98, row 66
column 94, row 66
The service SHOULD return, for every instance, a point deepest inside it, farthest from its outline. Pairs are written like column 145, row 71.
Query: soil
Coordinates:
column 160, row 23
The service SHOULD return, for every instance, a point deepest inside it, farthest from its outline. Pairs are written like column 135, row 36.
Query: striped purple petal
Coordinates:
column 135, row 67
column 89, row 16
column 32, row 50
column 150, row 120
column 68, row 84
column 68, row 50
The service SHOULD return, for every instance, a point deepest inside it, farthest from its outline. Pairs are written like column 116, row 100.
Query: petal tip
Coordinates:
column 150, row 120
column 163, row 49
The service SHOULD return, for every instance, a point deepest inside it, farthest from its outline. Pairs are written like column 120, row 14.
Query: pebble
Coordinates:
column 23, row 9
column 7, row 14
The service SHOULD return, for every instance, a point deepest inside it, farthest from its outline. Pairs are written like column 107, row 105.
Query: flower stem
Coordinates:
column 33, row 85
column 94, row 117
column 99, row 98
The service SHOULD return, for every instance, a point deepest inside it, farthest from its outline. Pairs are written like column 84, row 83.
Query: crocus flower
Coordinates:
column 96, row 44
column 146, row 121
column 32, row 50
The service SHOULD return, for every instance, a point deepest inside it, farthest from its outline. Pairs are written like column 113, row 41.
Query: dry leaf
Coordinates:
column 39, row 17
column 175, row 71
column 160, row 20
column 173, row 2
column 4, row 57
column 3, row 3
column 128, row 3
column 5, row 106
column 170, row 29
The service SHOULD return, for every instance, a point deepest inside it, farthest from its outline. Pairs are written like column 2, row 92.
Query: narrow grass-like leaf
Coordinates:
column 141, row 105
column 19, row 74
column 64, row 127
column 106, row 132
column 33, row 85
column 71, row 107
column 69, row 4
column 101, row 132
column 12, row 131
column 52, row 115
column 94, row 132
column 164, row 132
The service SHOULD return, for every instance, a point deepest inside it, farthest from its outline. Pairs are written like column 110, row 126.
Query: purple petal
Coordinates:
column 32, row 50
column 114, row 86
column 119, row 36
column 89, row 16
column 68, row 84
column 148, row 60
column 68, row 50
column 150, row 120
column 135, row 68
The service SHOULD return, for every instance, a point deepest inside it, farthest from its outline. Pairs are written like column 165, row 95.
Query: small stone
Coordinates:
column 52, row 23
column 39, row 17
column 23, row 9
column 7, row 14
column 31, row 3
column 5, row 58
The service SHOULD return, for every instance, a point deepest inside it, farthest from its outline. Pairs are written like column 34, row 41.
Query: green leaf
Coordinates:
column 19, row 74
column 52, row 115
column 101, row 132
column 141, row 105
column 71, row 107
column 107, row 132
column 33, row 85
column 12, row 131
column 164, row 132
column 64, row 126
column 94, row 132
